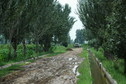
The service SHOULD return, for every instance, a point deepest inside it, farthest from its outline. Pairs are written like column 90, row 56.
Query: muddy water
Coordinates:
column 60, row 69
column 98, row 78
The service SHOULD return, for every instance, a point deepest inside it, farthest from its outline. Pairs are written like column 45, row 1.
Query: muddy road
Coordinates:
column 60, row 69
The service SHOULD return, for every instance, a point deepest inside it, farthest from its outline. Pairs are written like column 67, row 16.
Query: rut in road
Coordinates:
column 58, row 69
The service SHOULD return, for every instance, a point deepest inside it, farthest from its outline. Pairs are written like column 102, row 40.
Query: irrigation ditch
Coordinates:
column 98, row 72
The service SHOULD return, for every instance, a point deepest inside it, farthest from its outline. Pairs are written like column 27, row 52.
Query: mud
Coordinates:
column 60, row 69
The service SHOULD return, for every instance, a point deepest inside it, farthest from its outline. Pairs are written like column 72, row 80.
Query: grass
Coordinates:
column 30, row 53
column 116, row 69
column 20, row 57
column 13, row 68
column 70, row 46
column 10, row 69
column 84, row 69
column 3, row 72
column 57, row 50
column 53, row 54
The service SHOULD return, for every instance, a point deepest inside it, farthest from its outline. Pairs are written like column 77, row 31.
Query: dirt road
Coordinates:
column 60, row 69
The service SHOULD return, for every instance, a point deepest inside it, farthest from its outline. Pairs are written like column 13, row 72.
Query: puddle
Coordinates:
column 60, row 69
column 75, row 71
column 70, row 59
column 77, row 74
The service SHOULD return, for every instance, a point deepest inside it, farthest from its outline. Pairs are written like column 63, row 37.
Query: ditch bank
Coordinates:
column 99, row 73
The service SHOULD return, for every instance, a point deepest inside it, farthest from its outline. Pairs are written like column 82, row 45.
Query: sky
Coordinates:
column 78, row 24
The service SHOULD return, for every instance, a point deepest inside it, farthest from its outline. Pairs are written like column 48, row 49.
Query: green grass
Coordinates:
column 10, row 69
column 30, row 53
column 57, row 50
column 70, row 46
column 20, row 57
column 116, row 69
column 84, row 69
column 53, row 54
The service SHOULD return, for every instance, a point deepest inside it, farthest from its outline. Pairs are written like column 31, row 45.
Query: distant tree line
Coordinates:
column 41, row 22
column 105, row 25
column 80, row 36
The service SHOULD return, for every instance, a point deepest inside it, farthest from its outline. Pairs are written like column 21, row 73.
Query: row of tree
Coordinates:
column 38, row 21
column 105, row 25
column 80, row 36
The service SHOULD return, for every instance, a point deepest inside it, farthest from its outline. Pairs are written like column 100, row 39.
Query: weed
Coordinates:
column 114, row 68
column 10, row 69
column 84, row 69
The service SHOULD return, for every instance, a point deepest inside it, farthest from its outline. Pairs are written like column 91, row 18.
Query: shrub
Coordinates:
column 4, row 54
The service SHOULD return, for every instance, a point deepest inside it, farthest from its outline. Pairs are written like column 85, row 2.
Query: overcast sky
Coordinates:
column 78, row 24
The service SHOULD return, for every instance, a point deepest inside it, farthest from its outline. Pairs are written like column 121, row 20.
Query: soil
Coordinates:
column 60, row 69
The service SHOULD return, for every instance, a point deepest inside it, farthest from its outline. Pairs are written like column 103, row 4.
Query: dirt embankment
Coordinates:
column 60, row 69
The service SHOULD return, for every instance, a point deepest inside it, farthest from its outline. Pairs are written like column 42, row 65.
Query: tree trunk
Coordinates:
column 24, row 47
column 14, row 44
column 9, row 52
column 15, row 52
column 125, row 66
column 41, row 47
column 47, row 43
column 46, row 46
column 37, row 45
column 5, row 41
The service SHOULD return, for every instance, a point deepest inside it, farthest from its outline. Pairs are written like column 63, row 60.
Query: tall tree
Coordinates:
column 117, row 33
column 38, row 20
column 106, row 21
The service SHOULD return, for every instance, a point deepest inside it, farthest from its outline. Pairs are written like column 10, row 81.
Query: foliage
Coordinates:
column 105, row 23
column 32, row 21
column 30, row 53
column 59, row 49
column 56, row 50
column 65, row 23
column 4, row 54
column 80, row 36
column 70, row 46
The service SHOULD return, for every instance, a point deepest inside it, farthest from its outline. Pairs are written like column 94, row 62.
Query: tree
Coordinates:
column 117, row 32
column 80, row 36
column 11, row 15
column 42, row 20
column 106, row 22
column 93, row 15
column 65, row 23
column 37, row 20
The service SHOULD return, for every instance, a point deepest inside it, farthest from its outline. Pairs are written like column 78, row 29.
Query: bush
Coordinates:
column 31, row 46
column 59, row 49
column 3, row 46
column 4, row 53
